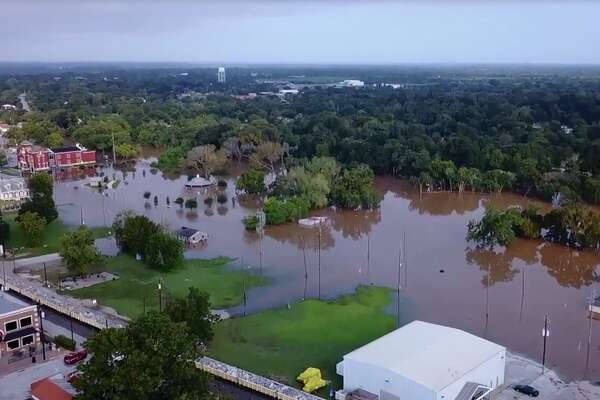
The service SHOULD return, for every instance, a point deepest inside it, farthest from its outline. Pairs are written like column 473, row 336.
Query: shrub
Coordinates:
column 222, row 183
column 222, row 199
column 179, row 200
column 147, row 195
column 208, row 201
column 252, row 182
column 279, row 212
column 191, row 203
column 250, row 222
column 65, row 342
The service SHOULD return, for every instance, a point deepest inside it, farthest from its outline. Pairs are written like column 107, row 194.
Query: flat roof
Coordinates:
column 432, row 355
column 9, row 303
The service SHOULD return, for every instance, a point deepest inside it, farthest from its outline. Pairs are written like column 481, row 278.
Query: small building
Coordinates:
column 13, row 191
column 9, row 107
column 200, row 182
column 18, row 326
column 53, row 387
column 352, row 83
column 191, row 236
column 423, row 361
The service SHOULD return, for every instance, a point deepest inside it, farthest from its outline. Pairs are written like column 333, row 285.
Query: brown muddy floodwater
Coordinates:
column 517, row 286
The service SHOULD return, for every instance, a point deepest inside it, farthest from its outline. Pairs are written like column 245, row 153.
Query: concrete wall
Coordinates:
column 374, row 379
column 490, row 373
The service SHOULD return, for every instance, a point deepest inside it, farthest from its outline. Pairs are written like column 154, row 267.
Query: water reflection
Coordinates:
column 570, row 268
column 355, row 225
column 498, row 266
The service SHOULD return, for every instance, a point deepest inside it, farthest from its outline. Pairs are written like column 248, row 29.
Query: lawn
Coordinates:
column 281, row 343
column 137, row 285
column 50, row 239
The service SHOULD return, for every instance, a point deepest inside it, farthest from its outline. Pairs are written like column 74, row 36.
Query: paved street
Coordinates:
column 15, row 386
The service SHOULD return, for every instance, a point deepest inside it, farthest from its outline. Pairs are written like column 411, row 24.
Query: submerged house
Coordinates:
column 191, row 236
column 423, row 361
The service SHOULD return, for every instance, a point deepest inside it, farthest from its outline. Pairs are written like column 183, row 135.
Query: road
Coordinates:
column 17, row 385
column 24, row 103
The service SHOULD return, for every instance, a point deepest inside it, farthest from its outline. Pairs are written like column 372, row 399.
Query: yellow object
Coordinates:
column 311, row 377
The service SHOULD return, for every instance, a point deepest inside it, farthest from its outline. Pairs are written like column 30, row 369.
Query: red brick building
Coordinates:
column 35, row 158
column 19, row 326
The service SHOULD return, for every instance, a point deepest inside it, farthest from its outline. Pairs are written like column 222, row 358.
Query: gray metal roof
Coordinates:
column 9, row 303
column 186, row 232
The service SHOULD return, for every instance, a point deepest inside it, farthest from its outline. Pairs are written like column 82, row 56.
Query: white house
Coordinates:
column 191, row 236
column 423, row 361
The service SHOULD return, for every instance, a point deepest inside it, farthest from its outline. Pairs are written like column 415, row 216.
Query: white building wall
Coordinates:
column 373, row 379
column 490, row 373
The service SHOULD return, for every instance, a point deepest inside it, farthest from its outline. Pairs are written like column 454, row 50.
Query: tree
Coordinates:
column 151, row 358
column 206, row 159
column 354, row 188
column 266, row 155
column 41, row 188
column 494, row 228
column 126, row 151
column 163, row 251
column 194, row 310
column 4, row 231
column 33, row 226
column 252, row 182
column 78, row 251
column 99, row 132
column 132, row 232
column 3, row 158
column 54, row 140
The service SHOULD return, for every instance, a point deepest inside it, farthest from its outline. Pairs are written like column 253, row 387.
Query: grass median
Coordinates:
column 281, row 343
column 137, row 286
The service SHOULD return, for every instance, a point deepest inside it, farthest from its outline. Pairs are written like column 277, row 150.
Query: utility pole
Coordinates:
column 45, row 275
column 160, row 296
column 369, row 258
column 405, row 262
column 305, row 267
column 319, row 261
column 591, row 317
column 71, row 325
column 487, row 299
column 113, row 148
column 41, row 316
column 522, row 292
column 545, row 334
column 244, row 295
column 398, row 287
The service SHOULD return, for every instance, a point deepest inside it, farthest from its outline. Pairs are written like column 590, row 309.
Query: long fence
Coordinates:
column 252, row 381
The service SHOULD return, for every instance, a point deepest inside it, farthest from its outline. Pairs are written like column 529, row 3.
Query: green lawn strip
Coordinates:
column 281, row 343
column 137, row 284
column 50, row 240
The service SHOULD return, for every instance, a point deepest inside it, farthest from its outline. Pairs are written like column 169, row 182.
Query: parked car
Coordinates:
column 526, row 389
column 74, row 358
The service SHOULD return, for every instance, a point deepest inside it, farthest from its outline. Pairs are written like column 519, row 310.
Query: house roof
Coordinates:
column 432, row 355
column 186, row 232
column 50, row 389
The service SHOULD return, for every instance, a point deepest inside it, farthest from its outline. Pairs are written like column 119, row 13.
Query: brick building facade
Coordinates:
column 33, row 158
column 19, row 326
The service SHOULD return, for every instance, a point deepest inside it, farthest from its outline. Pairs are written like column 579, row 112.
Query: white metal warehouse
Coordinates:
column 423, row 361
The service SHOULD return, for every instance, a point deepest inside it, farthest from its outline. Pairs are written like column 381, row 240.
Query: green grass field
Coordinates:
column 50, row 239
column 281, row 343
column 137, row 284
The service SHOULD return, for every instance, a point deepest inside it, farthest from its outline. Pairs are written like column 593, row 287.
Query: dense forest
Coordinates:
column 532, row 131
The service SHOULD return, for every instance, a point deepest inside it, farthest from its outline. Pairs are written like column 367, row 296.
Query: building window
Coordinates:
column 25, row 322
column 26, row 340
column 10, row 326
column 13, row 344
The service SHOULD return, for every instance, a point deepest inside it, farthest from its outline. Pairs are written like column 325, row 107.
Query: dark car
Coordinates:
column 526, row 389
column 74, row 358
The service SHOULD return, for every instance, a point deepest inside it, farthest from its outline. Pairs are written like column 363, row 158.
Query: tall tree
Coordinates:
column 194, row 310
column 33, row 226
column 206, row 159
column 151, row 358
column 78, row 251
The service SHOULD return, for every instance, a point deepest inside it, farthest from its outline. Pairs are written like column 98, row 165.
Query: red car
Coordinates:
column 74, row 358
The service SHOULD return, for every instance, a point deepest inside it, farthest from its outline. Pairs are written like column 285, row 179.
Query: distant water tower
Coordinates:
column 221, row 75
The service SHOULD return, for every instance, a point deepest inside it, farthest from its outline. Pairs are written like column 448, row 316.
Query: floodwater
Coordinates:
column 502, row 295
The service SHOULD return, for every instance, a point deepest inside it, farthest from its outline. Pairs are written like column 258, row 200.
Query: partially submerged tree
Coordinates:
column 206, row 159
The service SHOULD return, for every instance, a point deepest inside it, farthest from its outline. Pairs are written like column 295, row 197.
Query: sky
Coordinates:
column 301, row 31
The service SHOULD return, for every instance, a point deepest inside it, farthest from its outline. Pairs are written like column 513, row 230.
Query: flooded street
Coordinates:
column 445, row 280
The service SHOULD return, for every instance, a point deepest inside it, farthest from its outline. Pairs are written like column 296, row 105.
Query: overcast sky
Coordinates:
column 301, row 31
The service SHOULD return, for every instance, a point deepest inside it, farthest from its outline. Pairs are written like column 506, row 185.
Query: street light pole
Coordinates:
column 41, row 316
column 159, row 296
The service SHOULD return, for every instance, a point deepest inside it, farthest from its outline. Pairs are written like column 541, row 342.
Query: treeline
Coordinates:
column 536, row 134
column 572, row 225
